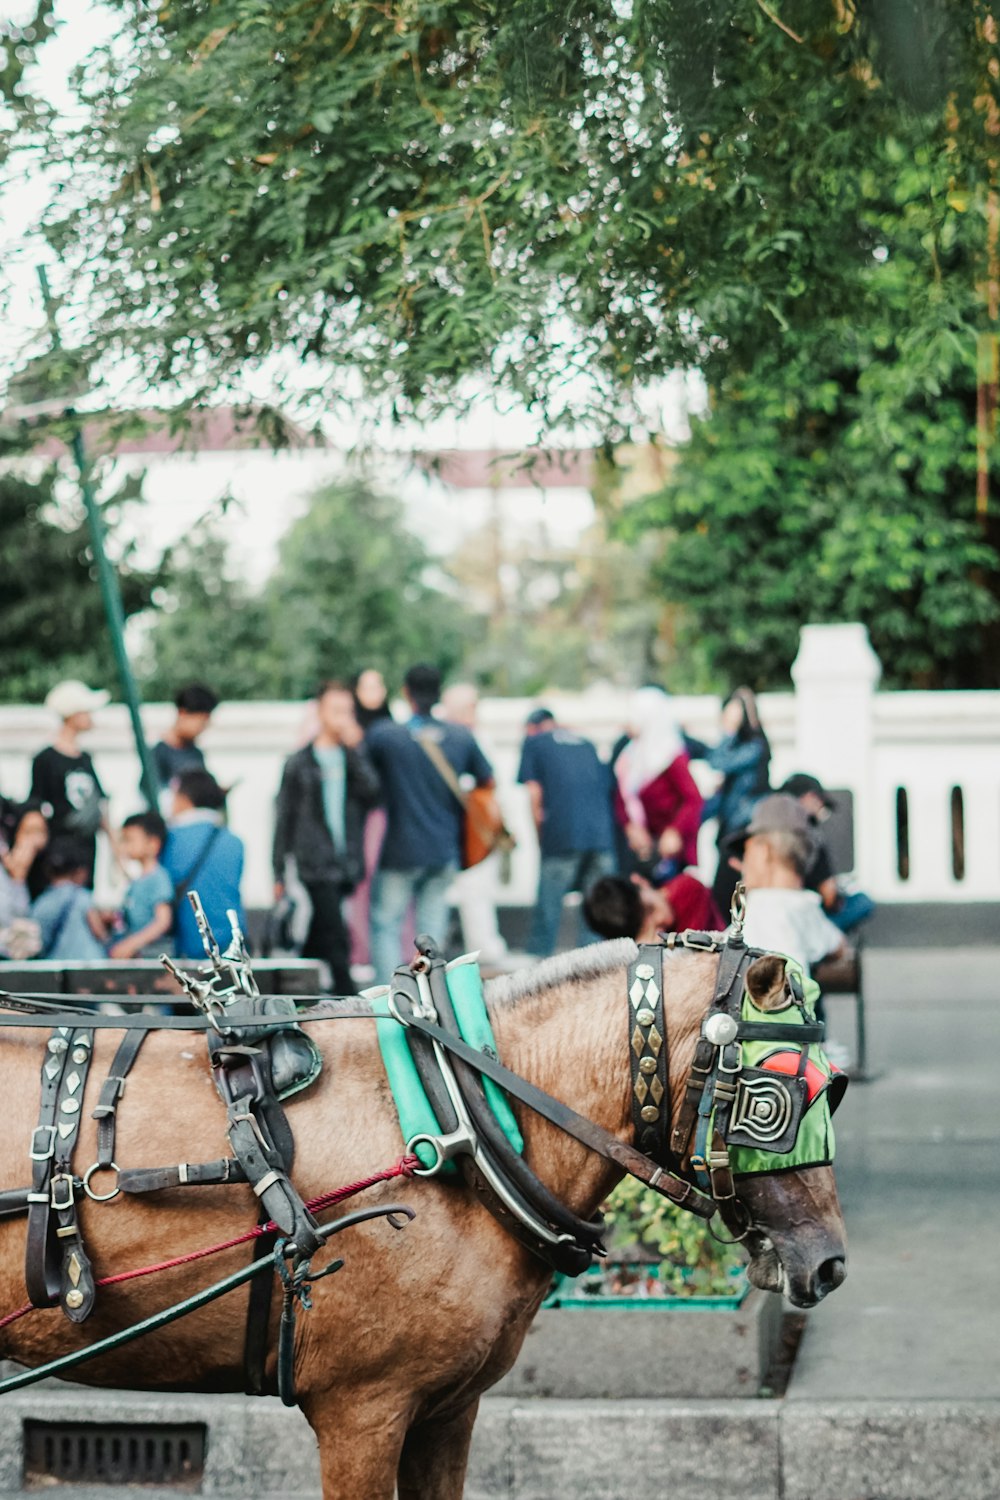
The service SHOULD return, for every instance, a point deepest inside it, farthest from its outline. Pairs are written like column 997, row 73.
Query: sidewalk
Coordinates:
column 918, row 1164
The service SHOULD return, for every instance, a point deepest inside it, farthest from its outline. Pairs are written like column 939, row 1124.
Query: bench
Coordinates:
column 843, row 976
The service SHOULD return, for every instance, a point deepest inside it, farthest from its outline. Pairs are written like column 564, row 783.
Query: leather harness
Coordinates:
column 240, row 1036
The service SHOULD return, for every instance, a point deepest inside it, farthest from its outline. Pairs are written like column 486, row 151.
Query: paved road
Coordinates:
column 918, row 1161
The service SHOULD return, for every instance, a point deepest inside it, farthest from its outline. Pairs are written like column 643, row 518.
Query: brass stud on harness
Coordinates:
column 647, row 1043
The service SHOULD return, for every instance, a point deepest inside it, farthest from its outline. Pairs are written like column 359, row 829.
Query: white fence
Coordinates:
column 924, row 768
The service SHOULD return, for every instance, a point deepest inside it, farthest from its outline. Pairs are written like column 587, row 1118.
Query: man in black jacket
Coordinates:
column 326, row 791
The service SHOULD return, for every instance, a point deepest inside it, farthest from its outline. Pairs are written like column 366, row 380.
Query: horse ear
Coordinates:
column 766, row 982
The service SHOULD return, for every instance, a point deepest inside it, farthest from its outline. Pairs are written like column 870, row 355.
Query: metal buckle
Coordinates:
column 738, row 1065
column 55, row 1202
column 36, row 1154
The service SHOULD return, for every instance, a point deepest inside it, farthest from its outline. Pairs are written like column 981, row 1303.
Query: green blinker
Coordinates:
column 814, row 1143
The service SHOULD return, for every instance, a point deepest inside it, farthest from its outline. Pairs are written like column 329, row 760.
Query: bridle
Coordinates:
column 726, row 1103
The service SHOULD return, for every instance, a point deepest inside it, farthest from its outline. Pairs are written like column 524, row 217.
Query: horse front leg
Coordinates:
column 360, row 1439
column 436, row 1455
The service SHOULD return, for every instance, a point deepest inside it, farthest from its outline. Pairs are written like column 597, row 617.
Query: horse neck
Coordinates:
column 572, row 1040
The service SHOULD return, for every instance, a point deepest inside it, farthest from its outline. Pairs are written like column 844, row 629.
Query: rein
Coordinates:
column 396, row 1214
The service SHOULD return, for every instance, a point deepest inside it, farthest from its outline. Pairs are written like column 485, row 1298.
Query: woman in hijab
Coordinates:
column 743, row 757
column 656, row 802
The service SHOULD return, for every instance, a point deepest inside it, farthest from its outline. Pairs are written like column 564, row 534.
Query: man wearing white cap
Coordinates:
column 63, row 776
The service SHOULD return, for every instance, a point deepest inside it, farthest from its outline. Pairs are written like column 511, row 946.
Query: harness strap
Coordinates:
column 32, row 1011
column 105, row 1111
column 57, row 1266
column 185, row 1174
column 588, row 1233
column 701, row 1068
column 595, row 1137
column 647, row 1053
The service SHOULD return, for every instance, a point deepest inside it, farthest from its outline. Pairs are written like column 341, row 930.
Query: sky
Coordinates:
column 272, row 490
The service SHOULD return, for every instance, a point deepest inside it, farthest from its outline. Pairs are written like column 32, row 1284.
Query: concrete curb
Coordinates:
column 589, row 1450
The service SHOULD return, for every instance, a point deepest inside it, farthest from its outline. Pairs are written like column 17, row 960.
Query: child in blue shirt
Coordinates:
column 148, row 907
column 64, row 911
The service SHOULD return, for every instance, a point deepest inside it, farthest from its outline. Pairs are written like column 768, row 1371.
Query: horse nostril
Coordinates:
column 830, row 1275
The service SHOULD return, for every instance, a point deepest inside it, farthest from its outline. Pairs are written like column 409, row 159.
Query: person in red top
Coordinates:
column 656, row 801
column 615, row 907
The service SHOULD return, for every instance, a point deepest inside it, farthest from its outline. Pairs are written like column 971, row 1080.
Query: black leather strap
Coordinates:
column 185, row 1174
column 778, row 1031
column 37, row 1013
column 105, row 1111
column 587, row 1233
column 647, row 1054
column 581, row 1129
column 56, row 1265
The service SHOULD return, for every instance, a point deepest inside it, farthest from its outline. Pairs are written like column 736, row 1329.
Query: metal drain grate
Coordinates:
column 116, row 1453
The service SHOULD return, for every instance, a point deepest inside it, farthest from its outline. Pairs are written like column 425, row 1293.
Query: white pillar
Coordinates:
column 836, row 674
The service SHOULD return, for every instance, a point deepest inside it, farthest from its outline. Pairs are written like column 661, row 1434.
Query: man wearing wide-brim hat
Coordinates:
column 63, row 777
column 773, row 853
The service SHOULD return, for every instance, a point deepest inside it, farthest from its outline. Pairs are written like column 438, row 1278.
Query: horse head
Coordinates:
column 798, row 1243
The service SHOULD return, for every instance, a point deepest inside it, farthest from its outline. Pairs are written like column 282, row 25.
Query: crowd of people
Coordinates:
column 370, row 829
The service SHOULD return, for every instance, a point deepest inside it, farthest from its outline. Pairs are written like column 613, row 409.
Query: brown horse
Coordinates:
column 393, row 1358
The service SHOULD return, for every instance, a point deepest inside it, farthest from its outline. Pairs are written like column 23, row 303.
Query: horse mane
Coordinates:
column 565, row 968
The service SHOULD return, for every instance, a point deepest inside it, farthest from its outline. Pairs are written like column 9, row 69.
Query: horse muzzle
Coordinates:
column 798, row 1246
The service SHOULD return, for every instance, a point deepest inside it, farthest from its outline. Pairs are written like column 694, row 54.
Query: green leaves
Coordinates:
column 351, row 589
column 51, row 614
column 404, row 192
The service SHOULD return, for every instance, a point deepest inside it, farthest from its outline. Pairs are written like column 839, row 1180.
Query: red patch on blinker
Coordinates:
column 788, row 1063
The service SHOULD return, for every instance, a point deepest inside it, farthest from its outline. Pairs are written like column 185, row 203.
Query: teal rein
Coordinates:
column 210, row 1294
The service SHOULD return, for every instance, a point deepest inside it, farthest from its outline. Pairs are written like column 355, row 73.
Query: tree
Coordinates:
column 570, row 202
column 52, row 621
column 209, row 627
column 524, row 192
column 354, row 588
column 835, row 477
column 350, row 590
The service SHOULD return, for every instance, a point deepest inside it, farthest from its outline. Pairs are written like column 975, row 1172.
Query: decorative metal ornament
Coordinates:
column 57, row 1045
column 720, row 1029
column 647, row 1046
column 767, row 1111
column 74, row 1298
column 738, row 911
column 80, row 1054
column 70, row 1106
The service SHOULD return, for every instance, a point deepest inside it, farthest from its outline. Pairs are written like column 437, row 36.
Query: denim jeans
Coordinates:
column 559, row 874
column 392, row 893
column 857, row 908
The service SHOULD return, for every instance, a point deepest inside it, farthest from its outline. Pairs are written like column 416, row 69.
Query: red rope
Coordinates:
column 403, row 1168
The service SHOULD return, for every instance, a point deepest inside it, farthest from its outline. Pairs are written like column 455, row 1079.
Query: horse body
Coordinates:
column 400, row 1344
